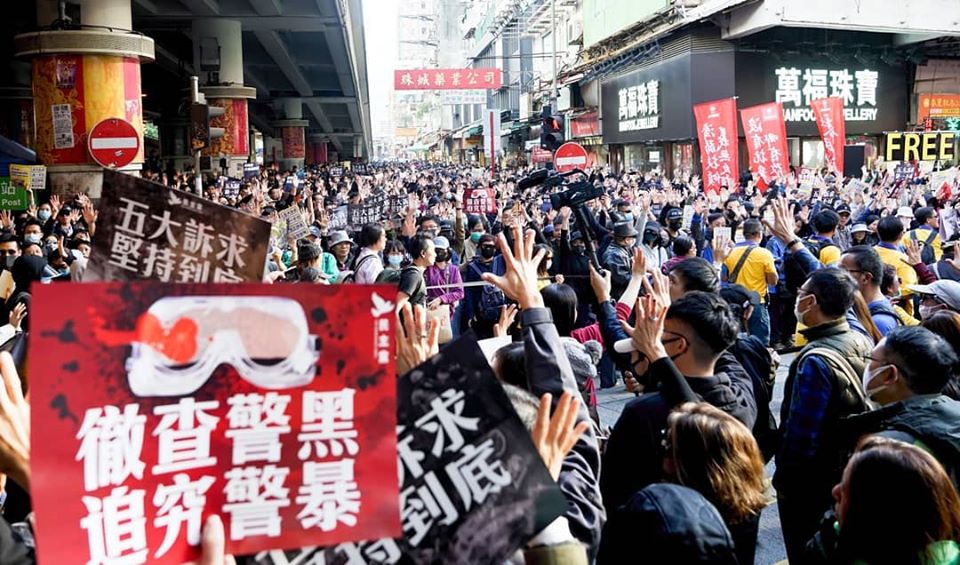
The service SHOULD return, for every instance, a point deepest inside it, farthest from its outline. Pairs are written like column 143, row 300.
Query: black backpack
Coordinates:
column 793, row 273
column 491, row 299
column 927, row 253
column 761, row 364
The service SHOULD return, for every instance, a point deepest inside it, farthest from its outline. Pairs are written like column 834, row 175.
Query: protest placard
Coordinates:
column 31, row 177
column 370, row 210
column 479, row 201
column 904, row 172
column 336, row 171
column 13, row 196
column 857, row 185
column 156, row 405
column 948, row 223
column 250, row 170
column 338, row 218
column 231, row 188
column 290, row 182
column 149, row 231
column 293, row 218
column 474, row 488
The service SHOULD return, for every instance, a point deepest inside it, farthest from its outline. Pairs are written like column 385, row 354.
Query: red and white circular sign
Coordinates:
column 113, row 143
column 570, row 156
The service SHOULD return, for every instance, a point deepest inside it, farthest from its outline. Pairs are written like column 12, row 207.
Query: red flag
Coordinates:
column 717, row 133
column 829, row 115
column 766, row 136
column 762, row 185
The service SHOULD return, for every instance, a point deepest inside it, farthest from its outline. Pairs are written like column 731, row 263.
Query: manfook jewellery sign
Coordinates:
column 638, row 106
column 798, row 86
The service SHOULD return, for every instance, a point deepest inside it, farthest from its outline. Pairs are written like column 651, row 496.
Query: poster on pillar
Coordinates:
column 235, row 141
column 766, row 138
column 72, row 93
column 717, row 134
column 293, row 142
column 833, row 130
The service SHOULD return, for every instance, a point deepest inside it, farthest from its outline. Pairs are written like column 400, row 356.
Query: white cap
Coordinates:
column 905, row 212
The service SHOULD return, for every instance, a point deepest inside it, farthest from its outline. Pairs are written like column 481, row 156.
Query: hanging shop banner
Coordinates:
column 921, row 146
column 717, row 134
column 479, row 201
column 833, row 130
column 457, row 97
column 149, row 231
column 474, row 489
column 766, row 140
column 156, row 405
column 447, row 79
column 938, row 106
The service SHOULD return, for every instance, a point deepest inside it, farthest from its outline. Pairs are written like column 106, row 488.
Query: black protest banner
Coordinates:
column 369, row 211
column 473, row 487
column 250, row 170
column 231, row 188
column 149, row 231
column 292, row 217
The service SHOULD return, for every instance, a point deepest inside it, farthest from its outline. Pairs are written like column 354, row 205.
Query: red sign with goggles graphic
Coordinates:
column 156, row 405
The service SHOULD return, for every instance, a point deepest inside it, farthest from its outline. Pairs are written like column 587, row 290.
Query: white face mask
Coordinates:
column 927, row 311
column 869, row 376
column 801, row 313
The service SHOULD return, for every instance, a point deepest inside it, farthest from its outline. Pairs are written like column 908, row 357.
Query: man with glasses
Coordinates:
column 864, row 265
column 680, row 346
column 823, row 386
column 905, row 373
column 927, row 235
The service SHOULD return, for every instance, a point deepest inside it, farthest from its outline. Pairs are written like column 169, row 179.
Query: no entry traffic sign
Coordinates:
column 113, row 143
column 570, row 156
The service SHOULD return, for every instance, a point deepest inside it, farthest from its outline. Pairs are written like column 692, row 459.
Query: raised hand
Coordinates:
column 417, row 339
column 14, row 425
column 556, row 435
column 519, row 282
column 508, row 313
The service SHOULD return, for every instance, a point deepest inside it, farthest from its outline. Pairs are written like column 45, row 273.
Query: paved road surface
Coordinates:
column 770, row 541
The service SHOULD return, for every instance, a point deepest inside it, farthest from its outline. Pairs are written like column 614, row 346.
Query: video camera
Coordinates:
column 577, row 193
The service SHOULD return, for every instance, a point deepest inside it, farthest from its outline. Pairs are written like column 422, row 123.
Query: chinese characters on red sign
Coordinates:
column 447, row 79
column 717, row 133
column 479, row 201
column 161, row 404
column 833, row 130
column 766, row 137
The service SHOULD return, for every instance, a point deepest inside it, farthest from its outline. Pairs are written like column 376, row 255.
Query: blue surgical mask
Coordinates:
column 628, row 217
column 43, row 215
column 394, row 260
column 31, row 238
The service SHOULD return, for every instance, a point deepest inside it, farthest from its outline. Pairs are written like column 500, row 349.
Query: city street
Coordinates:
column 770, row 548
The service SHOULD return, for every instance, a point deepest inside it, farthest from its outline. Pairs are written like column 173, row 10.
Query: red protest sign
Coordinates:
column 156, row 405
column 479, row 201
column 447, row 79
column 766, row 136
column 833, row 130
column 717, row 133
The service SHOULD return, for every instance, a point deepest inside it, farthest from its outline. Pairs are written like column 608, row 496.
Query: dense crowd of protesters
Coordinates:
column 686, row 298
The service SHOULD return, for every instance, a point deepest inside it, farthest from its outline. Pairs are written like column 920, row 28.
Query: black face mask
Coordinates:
column 675, row 225
column 442, row 255
column 580, row 249
column 488, row 252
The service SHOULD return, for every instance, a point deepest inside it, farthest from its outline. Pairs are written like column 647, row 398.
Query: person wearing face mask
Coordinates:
column 652, row 246
column 412, row 287
column 44, row 213
column 823, row 385
column 904, row 376
column 618, row 258
column 939, row 295
column 573, row 262
column 444, row 284
column 475, row 231
column 9, row 249
column 481, row 304
column 679, row 350
column 865, row 266
column 32, row 231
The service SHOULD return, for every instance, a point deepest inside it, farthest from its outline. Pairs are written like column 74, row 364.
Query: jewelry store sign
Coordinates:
column 638, row 106
column 798, row 86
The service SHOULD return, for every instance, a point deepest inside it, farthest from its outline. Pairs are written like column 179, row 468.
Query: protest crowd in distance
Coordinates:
column 432, row 397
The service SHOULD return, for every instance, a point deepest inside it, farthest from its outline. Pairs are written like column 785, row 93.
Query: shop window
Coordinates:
column 682, row 162
column 793, row 150
column 812, row 153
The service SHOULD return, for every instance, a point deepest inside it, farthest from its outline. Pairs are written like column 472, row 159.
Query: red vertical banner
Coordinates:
column 829, row 115
column 717, row 133
column 766, row 136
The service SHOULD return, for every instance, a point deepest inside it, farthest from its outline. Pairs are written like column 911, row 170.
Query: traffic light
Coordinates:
column 551, row 132
column 200, row 131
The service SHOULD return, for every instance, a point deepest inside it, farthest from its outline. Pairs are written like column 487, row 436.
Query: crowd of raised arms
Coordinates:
column 685, row 298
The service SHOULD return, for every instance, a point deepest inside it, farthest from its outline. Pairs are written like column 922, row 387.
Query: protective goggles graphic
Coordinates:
column 181, row 340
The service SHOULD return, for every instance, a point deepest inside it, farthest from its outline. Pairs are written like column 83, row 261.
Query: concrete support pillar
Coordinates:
column 318, row 145
column 292, row 132
column 219, row 43
column 81, row 77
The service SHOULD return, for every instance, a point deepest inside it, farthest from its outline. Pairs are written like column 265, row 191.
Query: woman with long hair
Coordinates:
column 895, row 504
column 713, row 453
column 946, row 324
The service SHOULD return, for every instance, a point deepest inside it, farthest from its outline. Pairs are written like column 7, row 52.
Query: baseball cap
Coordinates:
column 843, row 209
column 859, row 228
column 441, row 242
column 905, row 212
column 315, row 232
column 946, row 291
column 674, row 214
